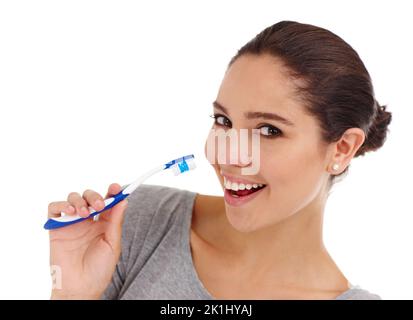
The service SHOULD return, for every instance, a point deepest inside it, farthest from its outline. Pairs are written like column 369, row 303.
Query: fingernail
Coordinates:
column 84, row 210
column 99, row 204
column 70, row 209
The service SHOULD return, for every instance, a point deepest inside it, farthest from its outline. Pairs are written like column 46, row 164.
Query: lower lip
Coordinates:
column 237, row 202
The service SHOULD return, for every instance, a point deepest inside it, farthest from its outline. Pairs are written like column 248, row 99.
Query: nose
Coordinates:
column 231, row 147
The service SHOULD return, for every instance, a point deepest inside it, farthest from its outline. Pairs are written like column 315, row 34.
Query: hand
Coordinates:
column 84, row 255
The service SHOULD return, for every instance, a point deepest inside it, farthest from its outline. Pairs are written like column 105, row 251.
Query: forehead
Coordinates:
column 259, row 83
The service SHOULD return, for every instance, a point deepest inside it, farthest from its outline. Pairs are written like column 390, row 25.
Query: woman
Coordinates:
column 311, row 99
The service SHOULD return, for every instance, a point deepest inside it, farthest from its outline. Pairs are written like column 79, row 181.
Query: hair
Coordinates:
column 333, row 82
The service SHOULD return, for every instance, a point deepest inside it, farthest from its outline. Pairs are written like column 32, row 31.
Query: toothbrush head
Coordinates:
column 181, row 165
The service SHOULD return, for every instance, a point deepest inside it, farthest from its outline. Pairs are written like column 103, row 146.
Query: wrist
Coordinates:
column 56, row 295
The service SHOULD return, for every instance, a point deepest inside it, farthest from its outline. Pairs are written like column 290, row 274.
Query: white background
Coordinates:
column 95, row 92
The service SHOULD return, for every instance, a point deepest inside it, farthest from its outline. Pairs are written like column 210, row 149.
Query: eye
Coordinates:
column 269, row 131
column 221, row 120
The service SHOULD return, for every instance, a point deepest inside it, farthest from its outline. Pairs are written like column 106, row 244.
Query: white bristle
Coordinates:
column 191, row 163
column 175, row 169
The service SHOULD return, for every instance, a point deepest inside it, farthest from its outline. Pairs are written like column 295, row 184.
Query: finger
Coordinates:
column 113, row 189
column 79, row 203
column 55, row 208
column 114, row 227
column 94, row 199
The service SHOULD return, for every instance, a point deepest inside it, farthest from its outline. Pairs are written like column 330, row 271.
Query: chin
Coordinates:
column 241, row 220
column 248, row 221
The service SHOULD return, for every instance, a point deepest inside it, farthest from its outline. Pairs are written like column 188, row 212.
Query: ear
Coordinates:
column 345, row 149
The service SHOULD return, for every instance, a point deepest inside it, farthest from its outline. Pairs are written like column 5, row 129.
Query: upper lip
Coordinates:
column 239, row 180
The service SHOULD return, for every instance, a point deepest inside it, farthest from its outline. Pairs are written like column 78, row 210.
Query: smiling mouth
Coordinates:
column 243, row 193
column 241, row 189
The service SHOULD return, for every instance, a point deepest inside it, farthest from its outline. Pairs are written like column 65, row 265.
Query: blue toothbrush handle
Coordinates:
column 54, row 223
column 117, row 198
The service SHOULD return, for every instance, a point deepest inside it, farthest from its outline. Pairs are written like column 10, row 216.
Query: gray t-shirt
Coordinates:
column 156, row 261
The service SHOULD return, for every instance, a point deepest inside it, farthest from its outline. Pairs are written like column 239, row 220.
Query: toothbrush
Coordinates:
column 178, row 166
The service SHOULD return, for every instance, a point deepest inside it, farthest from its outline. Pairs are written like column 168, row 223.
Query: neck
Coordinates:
column 291, row 251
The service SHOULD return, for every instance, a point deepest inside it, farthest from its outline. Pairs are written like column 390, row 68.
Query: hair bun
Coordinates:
column 377, row 133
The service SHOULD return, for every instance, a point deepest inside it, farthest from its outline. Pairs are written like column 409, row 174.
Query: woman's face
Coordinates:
column 292, row 160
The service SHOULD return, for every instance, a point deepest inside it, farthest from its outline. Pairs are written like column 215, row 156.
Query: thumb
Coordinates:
column 114, row 227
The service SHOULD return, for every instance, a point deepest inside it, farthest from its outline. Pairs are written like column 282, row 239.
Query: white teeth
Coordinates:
column 227, row 185
column 240, row 186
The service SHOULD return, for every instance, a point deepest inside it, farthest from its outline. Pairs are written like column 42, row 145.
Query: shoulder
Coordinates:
column 152, row 211
column 154, row 197
column 358, row 293
column 154, row 202
column 154, row 221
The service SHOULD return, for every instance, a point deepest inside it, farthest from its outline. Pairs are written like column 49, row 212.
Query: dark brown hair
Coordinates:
column 332, row 81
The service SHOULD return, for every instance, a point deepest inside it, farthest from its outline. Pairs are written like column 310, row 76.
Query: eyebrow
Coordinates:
column 257, row 115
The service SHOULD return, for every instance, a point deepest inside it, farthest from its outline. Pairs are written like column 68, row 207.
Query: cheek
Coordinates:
column 290, row 163
column 293, row 171
column 211, row 154
column 213, row 163
column 295, row 179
